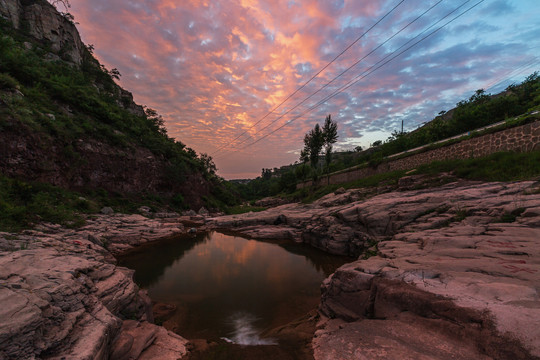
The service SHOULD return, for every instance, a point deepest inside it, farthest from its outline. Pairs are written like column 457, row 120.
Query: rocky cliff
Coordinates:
column 445, row 272
column 66, row 122
column 86, row 164
column 46, row 25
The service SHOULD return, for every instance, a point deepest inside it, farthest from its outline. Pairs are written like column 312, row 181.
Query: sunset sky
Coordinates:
column 218, row 71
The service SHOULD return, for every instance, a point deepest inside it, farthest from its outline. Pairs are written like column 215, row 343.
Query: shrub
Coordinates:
column 7, row 82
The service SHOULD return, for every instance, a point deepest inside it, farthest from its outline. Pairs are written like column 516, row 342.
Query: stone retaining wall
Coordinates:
column 523, row 138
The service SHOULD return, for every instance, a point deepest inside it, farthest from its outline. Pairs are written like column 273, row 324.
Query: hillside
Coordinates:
column 518, row 105
column 65, row 122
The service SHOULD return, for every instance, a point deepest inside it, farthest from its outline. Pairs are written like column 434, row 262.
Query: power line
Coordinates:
column 362, row 76
column 314, row 76
column 513, row 73
column 346, row 70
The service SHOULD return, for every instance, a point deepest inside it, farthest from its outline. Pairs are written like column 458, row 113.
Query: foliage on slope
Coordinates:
column 47, row 99
column 481, row 109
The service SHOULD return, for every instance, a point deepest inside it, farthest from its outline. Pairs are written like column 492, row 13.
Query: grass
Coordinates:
column 510, row 217
column 502, row 166
column 24, row 203
column 60, row 104
column 308, row 195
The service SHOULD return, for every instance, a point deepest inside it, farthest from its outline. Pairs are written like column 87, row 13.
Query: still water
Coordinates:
column 231, row 287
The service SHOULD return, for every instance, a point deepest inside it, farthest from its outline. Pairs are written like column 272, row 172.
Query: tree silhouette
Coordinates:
column 314, row 142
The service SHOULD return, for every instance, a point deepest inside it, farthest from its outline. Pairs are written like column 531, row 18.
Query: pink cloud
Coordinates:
column 213, row 69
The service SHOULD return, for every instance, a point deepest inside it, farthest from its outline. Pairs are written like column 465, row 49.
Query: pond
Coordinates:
column 230, row 287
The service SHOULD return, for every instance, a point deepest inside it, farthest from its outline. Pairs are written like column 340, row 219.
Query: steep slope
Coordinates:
column 64, row 121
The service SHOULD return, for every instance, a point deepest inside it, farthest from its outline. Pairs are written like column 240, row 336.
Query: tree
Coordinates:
column 302, row 171
column 208, row 163
column 64, row 3
column 313, row 143
column 156, row 120
column 330, row 137
column 266, row 174
column 315, row 140
column 114, row 73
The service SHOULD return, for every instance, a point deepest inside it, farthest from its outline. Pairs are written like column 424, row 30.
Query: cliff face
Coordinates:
column 45, row 24
column 90, row 164
column 11, row 11
column 66, row 122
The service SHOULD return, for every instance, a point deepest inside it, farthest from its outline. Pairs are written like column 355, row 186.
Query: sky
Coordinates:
column 244, row 80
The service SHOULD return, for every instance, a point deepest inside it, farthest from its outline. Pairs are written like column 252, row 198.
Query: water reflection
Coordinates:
column 214, row 277
column 151, row 260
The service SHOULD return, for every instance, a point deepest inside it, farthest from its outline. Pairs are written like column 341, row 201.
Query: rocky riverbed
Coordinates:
column 451, row 271
column 445, row 272
column 63, row 297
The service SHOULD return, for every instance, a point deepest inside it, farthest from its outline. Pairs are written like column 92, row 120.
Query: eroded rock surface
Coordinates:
column 63, row 296
column 453, row 271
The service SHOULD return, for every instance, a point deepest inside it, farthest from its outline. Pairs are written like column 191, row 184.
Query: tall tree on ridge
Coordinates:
column 315, row 140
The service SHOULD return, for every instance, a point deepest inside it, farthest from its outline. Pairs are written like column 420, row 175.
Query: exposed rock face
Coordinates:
column 11, row 10
column 45, row 24
column 455, row 271
column 62, row 295
column 125, row 171
column 317, row 224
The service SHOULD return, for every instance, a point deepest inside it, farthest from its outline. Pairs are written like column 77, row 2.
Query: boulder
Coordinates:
column 145, row 210
column 107, row 210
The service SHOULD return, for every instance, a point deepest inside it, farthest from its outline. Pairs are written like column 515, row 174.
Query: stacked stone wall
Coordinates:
column 523, row 138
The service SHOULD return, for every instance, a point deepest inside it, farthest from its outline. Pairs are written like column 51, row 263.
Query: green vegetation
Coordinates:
column 61, row 101
column 45, row 94
column 514, row 105
column 22, row 204
column 308, row 195
column 502, row 166
column 315, row 141
column 510, row 217
column 481, row 109
column 272, row 182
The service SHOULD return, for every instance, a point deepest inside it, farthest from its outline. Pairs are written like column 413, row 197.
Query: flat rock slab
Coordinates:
column 389, row 339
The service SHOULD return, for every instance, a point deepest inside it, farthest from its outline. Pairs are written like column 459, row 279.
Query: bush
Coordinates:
column 7, row 82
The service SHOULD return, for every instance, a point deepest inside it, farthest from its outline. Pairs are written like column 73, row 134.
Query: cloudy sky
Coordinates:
column 244, row 80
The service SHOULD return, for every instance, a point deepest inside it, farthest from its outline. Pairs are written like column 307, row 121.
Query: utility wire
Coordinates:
column 345, row 71
column 350, row 83
column 362, row 76
column 314, row 76
column 513, row 73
